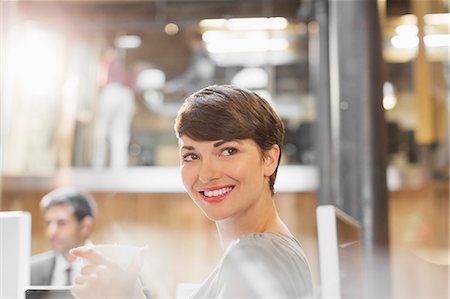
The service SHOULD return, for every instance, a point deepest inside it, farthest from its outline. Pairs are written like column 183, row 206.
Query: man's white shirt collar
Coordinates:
column 59, row 277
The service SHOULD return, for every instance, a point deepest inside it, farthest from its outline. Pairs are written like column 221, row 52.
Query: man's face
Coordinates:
column 62, row 228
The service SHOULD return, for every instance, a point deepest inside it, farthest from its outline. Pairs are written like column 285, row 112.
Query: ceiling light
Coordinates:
column 407, row 30
column 151, row 79
column 437, row 19
column 244, row 45
column 213, row 23
column 171, row 29
column 128, row 41
column 242, row 24
column 389, row 98
column 437, row 40
column 251, row 78
column 405, row 41
column 257, row 23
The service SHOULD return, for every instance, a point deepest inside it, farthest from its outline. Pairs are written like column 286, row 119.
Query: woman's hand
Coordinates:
column 103, row 278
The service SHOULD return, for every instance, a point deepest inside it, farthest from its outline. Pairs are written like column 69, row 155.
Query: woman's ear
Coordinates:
column 271, row 160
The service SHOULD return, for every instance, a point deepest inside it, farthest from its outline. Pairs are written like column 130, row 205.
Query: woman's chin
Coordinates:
column 215, row 216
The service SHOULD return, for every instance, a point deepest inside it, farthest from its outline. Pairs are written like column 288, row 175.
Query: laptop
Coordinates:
column 15, row 248
column 48, row 292
column 340, row 255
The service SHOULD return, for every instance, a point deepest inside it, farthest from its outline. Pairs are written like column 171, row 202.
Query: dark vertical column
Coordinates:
column 358, row 131
column 320, row 86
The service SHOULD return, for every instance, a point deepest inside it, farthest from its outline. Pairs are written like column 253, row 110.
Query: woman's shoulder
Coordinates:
column 267, row 237
column 274, row 250
column 274, row 262
column 269, row 242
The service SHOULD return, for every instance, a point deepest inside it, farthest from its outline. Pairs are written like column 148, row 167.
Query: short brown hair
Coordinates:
column 226, row 112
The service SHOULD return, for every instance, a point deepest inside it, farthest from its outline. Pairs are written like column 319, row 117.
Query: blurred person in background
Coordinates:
column 199, row 72
column 69, row 216
column 115, row 111
column 230, row 147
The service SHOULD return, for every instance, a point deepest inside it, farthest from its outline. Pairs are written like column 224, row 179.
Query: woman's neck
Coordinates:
column 259, row 219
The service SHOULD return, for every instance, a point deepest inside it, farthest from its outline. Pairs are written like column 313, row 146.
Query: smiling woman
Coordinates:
column 230, row 146
column 228, row 179
column 229, row 113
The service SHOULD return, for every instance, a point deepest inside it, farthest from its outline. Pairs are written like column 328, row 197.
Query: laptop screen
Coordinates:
column 48, row 292
column 15, row 246
column 340, row 255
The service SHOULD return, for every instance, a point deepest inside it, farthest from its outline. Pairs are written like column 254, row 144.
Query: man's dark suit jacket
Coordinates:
column 42, row 266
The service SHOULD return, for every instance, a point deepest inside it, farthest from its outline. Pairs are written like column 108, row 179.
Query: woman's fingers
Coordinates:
column 85, row 286
column 91, row 254
column 88, row 269
column 80, row 251
column 104, row 276
column 100, row 271
column 92, row 282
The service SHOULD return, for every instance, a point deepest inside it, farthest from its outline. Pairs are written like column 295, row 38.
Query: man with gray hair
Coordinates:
column 69, row 216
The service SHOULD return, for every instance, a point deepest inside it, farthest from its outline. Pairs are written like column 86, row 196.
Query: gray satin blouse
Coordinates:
column 260, row 265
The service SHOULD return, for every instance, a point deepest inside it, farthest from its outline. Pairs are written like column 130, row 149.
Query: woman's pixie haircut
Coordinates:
column 226, row 112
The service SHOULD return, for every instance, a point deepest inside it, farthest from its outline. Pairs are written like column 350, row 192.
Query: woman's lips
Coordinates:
column 215, row 195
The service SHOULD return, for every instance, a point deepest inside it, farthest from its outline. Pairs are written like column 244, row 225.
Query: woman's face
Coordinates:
column 226, row 179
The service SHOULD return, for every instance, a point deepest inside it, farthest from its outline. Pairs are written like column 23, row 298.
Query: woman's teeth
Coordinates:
column 218, row 192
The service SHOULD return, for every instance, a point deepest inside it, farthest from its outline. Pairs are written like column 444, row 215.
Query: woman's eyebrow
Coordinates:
column 219, row 143
column 187, row 147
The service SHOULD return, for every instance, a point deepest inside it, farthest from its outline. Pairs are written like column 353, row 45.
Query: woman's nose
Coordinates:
column 209, row 171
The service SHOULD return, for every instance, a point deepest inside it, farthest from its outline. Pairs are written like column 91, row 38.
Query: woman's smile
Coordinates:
column 215, row 194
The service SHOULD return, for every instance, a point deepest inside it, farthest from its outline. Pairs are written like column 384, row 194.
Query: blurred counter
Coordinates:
column 145, row 179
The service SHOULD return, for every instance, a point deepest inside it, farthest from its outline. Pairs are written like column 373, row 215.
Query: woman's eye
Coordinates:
column 229, row 151
column 190, row 157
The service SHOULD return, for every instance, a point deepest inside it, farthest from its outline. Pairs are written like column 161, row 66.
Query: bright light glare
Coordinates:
column 389, row 102
column 437, row 40
column 405, row 41
column 246, row 45
column 151, row 79
column 35, row 59
column 128, row 41
column 211, row 36
column 408, row 19
column 389, row 98
column 437, row 19
column 251, row 78
column 407, row 30
column 257, row 24
column 218, row 41
column 171, row 29
column 237, row 24
column 213, row 23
